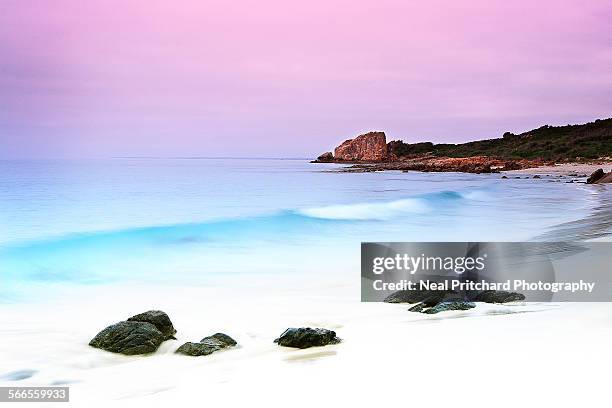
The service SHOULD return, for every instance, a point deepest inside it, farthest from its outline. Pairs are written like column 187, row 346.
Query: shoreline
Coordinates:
column 462, row 165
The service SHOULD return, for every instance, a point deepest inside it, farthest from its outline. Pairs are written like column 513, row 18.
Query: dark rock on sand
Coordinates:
column 537, row 176
column 223, row 338
column 498, row 296
column 450, row 304
column 306, row 337
column 130, row 338
column 430, row 297
column 199, row 349
column 419, row 307
column 207, row 345
column 159, row 319
column 504, row 177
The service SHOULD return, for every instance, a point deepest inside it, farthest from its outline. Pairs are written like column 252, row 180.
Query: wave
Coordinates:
column 197, row 232
column 203, row 247
column 385, row 211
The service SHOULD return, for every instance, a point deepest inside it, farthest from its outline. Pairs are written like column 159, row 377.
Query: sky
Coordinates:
column 282, row 78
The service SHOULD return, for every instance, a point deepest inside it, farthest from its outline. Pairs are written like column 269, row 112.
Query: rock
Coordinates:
column 200, row 349
column 504, row 177
column 430, row 297
column 223, row 338
column 498, row 296
column 207, row 345
column 537, row 176
column 605, row 179
column 512, row 165
column 450, row 304
column 419, row 307
column 371, row 146
column 326, row 157
column 130, row 338
column 306, row 337
column 159, row 319
column 596, row 176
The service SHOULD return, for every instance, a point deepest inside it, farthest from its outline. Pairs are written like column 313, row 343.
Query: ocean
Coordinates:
column 183, row 221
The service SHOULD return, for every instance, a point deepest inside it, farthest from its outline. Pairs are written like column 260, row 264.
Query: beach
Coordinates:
column 567, row 169
column 388, row 354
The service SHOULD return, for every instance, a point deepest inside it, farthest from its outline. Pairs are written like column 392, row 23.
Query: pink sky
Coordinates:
column 291, row 79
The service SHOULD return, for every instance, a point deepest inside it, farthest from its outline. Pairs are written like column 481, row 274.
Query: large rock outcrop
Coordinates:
column 371, row 146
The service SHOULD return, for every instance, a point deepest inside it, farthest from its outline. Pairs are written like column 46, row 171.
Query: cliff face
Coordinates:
column 371, row 146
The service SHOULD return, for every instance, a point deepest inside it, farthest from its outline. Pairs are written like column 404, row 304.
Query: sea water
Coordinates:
column 184, row 221
column 251, row 247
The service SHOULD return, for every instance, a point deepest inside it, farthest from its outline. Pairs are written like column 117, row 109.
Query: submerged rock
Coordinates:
column 498, row 296
column 306, row 337
column 207, row 345
column 450, row 304
column 159, row 319
column 130, row 338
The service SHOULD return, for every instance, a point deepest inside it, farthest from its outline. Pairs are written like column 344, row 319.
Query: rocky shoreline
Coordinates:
column 144, row 333
column 370, row 152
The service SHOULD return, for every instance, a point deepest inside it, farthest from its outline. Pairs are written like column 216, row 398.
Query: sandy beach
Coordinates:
column 576, row 170
column 387, row 355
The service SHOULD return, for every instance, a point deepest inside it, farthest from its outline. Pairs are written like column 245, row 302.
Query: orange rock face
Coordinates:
column 371, row 146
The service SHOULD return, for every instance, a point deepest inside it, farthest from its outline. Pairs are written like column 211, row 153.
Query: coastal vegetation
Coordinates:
column 555, row 143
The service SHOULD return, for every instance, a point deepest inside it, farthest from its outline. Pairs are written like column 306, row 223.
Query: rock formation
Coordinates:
column 430, row 297
column 140, row 334
column 306, row 337
column 326, row 157
column 499, row 296
column 129, row 338
column 371, row 146
column 207, row 345
column 433, row 301
column 451, row 304
column 159, row 319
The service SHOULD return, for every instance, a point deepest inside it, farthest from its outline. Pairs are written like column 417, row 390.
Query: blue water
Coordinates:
column 181, row 221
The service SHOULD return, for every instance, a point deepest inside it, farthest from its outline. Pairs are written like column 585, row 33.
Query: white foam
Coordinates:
column 368, row 211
